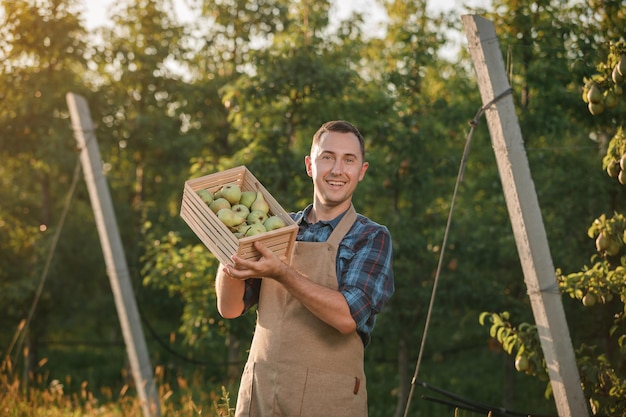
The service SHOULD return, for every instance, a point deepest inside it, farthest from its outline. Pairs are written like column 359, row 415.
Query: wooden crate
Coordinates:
column 216, row 236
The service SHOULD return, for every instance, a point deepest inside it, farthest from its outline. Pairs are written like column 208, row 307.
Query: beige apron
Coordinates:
column 298, row 365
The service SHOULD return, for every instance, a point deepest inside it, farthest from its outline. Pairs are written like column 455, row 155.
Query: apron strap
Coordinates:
column 343, row 227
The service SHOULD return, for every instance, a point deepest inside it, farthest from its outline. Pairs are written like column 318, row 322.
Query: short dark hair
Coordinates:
column 340, row 126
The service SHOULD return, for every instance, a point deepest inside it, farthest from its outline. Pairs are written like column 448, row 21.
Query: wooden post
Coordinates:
column 525, row 214
column 114, row 257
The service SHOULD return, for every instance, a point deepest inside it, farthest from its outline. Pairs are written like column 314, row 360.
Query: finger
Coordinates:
column 241, row 263
column 263, row 250
column 235, row 272
column 229, row 269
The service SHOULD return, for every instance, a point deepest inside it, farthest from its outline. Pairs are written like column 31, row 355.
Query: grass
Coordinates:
column 34, row 396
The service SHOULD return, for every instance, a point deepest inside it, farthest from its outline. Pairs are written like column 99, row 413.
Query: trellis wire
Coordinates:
column 473, row 123
column 22, row 329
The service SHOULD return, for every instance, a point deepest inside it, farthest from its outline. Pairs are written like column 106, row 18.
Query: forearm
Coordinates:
column 327, row 304
column 230, row 292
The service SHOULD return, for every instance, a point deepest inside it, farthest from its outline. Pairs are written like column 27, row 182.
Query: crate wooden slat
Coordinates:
column 216, row 236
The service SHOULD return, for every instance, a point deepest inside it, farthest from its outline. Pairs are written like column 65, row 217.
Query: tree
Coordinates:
column 299, row 79
column 417, row 163
column 248, row 83
column 41, row 50
column 600, row 285
column 599, row 329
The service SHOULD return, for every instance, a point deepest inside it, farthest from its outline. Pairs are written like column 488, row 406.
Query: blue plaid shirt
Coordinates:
column 364, row 267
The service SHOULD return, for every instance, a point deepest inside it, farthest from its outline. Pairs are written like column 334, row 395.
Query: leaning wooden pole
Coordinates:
column 525, row 214
column 114, row 257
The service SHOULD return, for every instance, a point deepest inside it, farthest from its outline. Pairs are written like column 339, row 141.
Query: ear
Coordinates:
column 308, row 165
column 363, row 170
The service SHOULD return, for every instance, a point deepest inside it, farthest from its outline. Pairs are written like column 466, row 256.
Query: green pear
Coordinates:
column 273, row 223
column 241, row 210
column 260, row 204
column 247, row 198
column 255, row 229
column 232, row 193
column 229, row 217
column 206, row 195
column 256, row 216
column 621, row 64
column 243, row 228
column 219, row 204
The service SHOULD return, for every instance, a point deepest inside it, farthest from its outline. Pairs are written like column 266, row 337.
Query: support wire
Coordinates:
column 23, row 327
column 473, row 123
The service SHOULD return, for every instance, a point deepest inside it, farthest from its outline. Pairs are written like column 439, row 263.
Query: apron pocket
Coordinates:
column 331, row 394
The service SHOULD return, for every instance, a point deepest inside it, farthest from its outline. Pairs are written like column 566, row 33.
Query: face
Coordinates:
column 336, row 166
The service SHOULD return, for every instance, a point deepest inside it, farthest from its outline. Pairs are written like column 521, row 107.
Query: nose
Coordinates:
column 337, row 166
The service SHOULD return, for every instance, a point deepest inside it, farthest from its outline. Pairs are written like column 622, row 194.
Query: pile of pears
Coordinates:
column 602, row 90
column 245, row 213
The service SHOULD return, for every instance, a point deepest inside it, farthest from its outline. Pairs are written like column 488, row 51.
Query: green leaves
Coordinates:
column 522, row 342
column 249, row 82
column 606, row 277
column 604, row 89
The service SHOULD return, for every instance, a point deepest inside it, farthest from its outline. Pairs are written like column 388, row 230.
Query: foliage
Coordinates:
column 603, row 90
column 599, row 286
column 49, row 398
column 42, row 47
column 249, row 83
column 522, row 342
column 602, row 384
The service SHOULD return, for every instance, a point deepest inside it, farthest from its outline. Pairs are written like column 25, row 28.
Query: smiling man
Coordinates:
column 315, row 316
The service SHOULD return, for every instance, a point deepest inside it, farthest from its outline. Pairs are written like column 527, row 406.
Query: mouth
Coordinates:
column 335, row 184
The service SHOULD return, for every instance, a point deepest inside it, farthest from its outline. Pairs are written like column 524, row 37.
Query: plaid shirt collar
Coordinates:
column 305, row 213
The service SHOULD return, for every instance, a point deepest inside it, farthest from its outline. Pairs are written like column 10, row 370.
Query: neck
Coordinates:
column 321, row 212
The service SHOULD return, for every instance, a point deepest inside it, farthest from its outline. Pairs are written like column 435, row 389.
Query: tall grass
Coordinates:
column 35, row 396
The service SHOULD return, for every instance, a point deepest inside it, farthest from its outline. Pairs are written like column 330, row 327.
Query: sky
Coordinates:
column 96, row 10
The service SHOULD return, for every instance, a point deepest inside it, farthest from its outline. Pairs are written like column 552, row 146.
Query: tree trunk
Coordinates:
column 403, row 373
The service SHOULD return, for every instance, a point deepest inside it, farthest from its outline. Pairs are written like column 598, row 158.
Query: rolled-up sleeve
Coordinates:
column 366, row 276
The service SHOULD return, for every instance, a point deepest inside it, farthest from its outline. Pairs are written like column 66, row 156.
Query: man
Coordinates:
column 315, row 316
